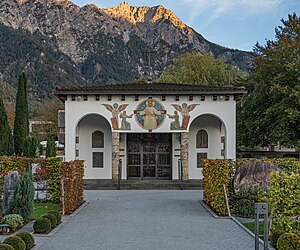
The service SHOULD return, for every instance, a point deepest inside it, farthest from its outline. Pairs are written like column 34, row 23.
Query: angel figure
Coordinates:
column 185, row 110
column 115, row 110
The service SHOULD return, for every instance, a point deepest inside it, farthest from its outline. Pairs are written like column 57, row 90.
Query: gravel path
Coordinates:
column 147, row 219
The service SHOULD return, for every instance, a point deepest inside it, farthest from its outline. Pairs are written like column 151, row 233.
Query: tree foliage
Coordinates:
column 21, row 124
column 201, row 69
column 6, row 142
column 51, row 149
column 22, row 201
column 270, row 113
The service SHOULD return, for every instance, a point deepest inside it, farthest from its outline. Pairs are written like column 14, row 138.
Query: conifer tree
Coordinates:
column 31, row 145
column 51, row 149
column 22, row 201
column 21, row 125
column 6, row 142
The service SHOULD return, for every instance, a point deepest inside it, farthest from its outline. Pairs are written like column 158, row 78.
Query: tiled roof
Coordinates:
column 143, row 88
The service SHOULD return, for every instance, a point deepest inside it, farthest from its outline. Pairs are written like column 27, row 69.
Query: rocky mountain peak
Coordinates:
column 144, row 14
column 67, row 44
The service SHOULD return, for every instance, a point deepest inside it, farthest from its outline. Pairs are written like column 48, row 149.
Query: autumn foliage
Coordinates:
column 216, row 173
column 71, row 177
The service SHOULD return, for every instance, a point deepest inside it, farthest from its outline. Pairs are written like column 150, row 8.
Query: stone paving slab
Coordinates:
column 147, row 219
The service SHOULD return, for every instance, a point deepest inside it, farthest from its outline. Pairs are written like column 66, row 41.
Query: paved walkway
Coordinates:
column 147, row 219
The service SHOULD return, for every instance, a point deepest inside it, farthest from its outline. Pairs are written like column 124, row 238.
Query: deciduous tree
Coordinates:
column 200, row 69
column 270, row 112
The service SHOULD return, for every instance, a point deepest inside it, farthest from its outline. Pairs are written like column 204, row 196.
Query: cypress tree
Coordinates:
column 51, row 149
column 21, row 125
column 6, row 142
column 22, row 201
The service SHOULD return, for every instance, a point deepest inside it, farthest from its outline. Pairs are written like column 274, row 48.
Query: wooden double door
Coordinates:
column 149, row 156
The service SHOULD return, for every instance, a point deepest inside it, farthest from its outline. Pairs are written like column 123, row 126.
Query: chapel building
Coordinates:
column 155, row 131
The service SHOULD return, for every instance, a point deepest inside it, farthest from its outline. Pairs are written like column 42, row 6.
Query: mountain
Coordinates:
column 59, row 43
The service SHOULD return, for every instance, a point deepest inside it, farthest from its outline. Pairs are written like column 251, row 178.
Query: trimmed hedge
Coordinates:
column 42, row 225
column 219, row 172
column 50, row 167
column 288, row 241
column 51, row 218
column 27, row 238
column 284, row 201
column 6, row 247
column 216, row 173
column 244, row 200
column 16, row 242
column 12, row 163
column 57, row 215
column 14, row 221
column 71, row 175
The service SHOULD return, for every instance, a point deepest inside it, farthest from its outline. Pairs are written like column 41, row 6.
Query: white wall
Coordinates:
column 85, row 128
column 213, row 127
column 76, row 110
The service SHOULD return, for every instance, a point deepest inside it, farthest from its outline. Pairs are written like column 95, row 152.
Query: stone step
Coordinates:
column 142, row 184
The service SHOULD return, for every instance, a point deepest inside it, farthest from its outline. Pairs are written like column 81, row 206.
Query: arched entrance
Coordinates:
column 207, row 136
column 94, row 146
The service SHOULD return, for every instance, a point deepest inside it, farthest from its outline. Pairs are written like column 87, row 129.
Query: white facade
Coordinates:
column 85, row 114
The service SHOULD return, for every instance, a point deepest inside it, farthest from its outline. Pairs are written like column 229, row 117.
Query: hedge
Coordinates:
column 71, row 176
column 52, row 167
column 216, row 173
column 11, row 163
column 284, row 203
column 219, row 172
column 22, row 164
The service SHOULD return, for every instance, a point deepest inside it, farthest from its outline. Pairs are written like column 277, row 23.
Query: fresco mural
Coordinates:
column 115, row 110
column 150, row 114
column 185, row 110
column 125, row 125
column 175, row 125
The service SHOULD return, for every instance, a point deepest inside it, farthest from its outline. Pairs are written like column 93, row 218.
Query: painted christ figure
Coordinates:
column 150, row 115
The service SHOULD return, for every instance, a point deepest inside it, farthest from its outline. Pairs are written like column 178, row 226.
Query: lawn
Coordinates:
column 251, row 227
column 41, row 208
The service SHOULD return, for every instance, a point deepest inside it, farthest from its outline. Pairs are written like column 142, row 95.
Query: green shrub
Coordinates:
column 6, row 247
column 16, row 242
column 244, row 200
column 42, row 225
column 14, row 221
column 52, row 166
column 283, row 200
column 51, row 218
column 288, row 241
column 217, row 173
column 57, row 215
column 22, row 201
column 27, row 238
column 275, row 236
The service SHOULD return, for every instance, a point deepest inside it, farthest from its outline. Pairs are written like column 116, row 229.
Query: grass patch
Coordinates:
column 41, row 208
column 251, row 227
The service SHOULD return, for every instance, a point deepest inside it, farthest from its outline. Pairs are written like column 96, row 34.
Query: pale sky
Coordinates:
column 237, row 24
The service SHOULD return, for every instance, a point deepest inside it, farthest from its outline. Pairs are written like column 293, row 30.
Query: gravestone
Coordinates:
column 10, row 181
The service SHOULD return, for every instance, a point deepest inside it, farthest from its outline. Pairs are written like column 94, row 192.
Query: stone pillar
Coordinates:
column 115, row 154
column 184, row 149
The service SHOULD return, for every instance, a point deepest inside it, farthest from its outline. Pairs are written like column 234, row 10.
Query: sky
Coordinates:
column 236, row 24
